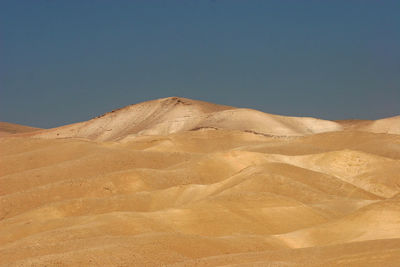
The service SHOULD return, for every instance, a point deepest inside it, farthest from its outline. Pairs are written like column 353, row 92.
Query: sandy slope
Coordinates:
column 192, row 195
column 387, row 125
column 173, row 114
column 7, row 128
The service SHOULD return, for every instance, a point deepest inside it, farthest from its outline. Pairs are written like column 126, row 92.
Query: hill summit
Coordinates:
column 176, row 114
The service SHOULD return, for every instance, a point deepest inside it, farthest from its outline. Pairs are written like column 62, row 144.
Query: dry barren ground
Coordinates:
column 186, row 183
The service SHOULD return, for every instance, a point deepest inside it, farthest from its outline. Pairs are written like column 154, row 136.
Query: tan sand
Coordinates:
column 187, row 183
column 7, row 128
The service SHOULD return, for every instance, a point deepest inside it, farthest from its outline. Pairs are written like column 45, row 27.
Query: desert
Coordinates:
column 182, row 182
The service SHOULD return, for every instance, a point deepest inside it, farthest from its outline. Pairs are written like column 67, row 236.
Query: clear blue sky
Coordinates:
column 68, row 61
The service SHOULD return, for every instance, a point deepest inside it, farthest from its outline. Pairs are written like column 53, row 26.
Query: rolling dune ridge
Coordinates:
column 182, row 182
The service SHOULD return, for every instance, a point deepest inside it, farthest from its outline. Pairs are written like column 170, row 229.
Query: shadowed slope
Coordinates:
column 7, row 128
column 387, row 125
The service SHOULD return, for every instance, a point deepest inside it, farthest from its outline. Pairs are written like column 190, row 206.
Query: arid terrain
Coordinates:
column 180, row 182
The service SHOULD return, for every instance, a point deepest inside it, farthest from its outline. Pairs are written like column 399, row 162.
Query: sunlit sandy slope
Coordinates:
column 173, row 114
column 208, row 196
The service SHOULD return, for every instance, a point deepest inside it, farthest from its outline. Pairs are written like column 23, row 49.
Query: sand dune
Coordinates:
column 186, row 183
column 387, row 125
column 7, row 128
column 173, row 114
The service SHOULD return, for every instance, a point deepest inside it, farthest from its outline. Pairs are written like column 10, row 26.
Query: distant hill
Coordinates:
column 174, row 114
column 7, row 128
